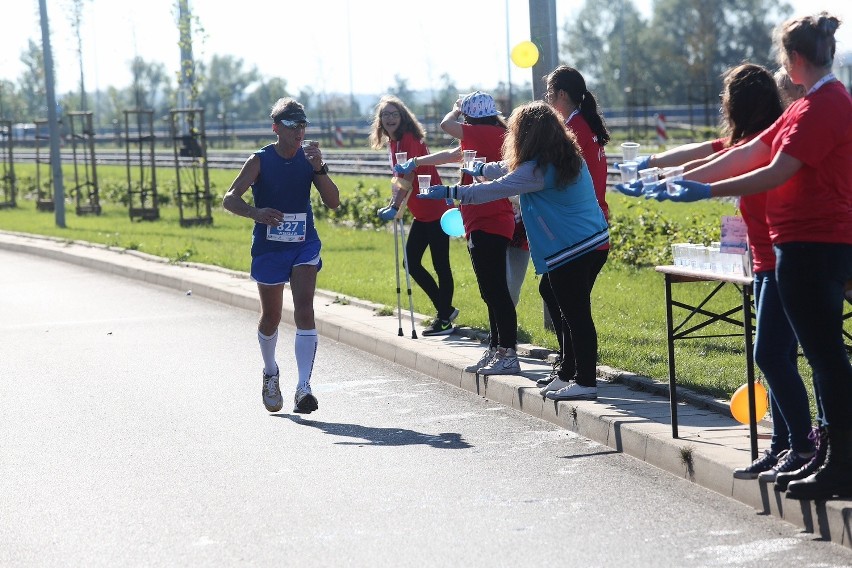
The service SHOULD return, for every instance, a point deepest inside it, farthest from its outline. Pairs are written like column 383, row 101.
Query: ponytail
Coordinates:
column 568, row 79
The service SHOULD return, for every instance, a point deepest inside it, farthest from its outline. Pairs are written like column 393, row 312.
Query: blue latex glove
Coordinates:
column 439, row 192
column 475, row 171
column 687, row 191
column 405, row 168
column 632, row 189
column 643, row 163
column 387, row 213
column 656, row 191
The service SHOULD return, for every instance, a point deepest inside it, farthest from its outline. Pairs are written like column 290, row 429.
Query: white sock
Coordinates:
column 306, row 351
column 267, row 351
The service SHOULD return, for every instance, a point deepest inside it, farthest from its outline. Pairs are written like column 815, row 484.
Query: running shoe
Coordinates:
column 553, row 385
column 305, row 401
column 504, row 362
column 439, row 327
column 484, row 360
column 271, row 392
column 574, row 391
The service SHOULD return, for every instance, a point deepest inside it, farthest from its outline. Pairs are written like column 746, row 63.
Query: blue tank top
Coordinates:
column 283, row 184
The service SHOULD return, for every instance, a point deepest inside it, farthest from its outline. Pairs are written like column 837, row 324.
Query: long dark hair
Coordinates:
column 750, row 101
column 495, row 120
column 537, row 133
column 568, row 79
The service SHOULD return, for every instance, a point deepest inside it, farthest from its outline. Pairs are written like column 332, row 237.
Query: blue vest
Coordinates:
column 285, row 185
column 563, row 223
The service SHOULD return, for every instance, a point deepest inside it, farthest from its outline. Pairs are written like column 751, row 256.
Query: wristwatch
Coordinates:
column 323, row 171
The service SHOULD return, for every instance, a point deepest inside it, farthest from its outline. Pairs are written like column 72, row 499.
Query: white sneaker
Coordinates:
column 574, row 392
column 484, row 360
column 504, row 362
column 554, row 385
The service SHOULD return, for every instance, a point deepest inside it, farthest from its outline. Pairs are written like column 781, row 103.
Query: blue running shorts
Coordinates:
column 274, row 268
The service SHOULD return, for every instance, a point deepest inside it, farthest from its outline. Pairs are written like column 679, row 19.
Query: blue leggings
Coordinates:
column 776, row 354
column 811, row 279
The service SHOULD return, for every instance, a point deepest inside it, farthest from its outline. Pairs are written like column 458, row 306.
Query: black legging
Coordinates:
column 567, row 290
column 488, row 256
column 429, row 234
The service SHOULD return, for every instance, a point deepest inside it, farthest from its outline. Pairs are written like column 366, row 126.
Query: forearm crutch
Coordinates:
column 407, row 279
column 396, row 260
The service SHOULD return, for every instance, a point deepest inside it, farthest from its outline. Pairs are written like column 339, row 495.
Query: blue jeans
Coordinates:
column 811, row 278
column 776, row 354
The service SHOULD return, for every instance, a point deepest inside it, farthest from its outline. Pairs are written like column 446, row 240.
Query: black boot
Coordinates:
column 834, row 478
column 782, row 480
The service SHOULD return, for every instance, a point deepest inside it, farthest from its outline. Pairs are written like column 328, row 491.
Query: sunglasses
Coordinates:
column 389, row 114
column 293, row 124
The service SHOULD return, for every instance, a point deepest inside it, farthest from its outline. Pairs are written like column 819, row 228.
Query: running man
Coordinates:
column 285, row 244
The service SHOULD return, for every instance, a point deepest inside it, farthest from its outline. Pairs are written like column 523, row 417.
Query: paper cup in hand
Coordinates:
column 630, row 151
column 424, row 182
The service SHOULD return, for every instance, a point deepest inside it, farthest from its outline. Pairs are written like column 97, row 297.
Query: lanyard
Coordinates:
column 575, row 112
column 821, row 82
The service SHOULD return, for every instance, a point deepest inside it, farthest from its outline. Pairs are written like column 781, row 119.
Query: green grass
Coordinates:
column 628, row 302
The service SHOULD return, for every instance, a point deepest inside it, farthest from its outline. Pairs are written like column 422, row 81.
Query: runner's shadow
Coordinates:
column 382, row 436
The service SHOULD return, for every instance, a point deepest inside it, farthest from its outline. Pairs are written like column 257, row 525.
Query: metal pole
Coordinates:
column 543, row 35
column 52, row 119
column 508, row 108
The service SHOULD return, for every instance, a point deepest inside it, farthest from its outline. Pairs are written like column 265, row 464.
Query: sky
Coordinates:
column 331, row 46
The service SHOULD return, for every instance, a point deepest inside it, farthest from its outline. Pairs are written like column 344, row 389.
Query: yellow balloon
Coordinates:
column 739, row 403
column 525, row 54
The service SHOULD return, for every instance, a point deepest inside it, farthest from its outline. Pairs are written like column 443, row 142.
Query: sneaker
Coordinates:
column 554, row 373
column 574, row 391
column 503, row 363
column 820, row 438
column 544, row 381
column 554, row 385
column 305, row 401
column 439, row 327
column 453, row 315
column 484, row 360
column 758, row 466
column 271, row 392
column 790, row 462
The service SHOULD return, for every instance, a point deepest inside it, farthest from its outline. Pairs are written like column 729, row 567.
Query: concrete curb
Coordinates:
column 631, row 414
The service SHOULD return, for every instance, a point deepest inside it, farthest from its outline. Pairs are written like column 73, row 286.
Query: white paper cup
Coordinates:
column 628, row 171
column 401, row 157
column 469, row 155
column 630, row 151
column 306, row 143
column 672, row 175
column 424, row 182
column 649, row 176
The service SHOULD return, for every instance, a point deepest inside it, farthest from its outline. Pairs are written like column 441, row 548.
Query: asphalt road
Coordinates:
column 132, row 433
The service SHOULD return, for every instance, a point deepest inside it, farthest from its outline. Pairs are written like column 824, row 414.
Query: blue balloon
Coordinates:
column 451, row 222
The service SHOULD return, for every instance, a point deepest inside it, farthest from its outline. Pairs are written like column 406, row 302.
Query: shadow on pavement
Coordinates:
column 382, row 436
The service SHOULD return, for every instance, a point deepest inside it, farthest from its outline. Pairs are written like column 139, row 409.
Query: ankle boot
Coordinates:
column 782, row 480
column 834, row 478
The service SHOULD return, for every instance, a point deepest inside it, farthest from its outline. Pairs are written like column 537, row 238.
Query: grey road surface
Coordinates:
column 132, row 434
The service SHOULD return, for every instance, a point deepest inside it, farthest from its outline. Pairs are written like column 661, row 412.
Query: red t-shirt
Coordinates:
column 815, row 204
column 753, row 210
column 425, row 210
column 595, row 157
column 495, row 217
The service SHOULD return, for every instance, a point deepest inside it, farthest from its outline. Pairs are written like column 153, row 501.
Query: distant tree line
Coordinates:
column 675, row 57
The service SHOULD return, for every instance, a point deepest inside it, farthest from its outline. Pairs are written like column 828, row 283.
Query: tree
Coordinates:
column 76, row 18
column 31, row 83
column 151, row 87
column 225, row 84
column 258, row 102
column 607, row 44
